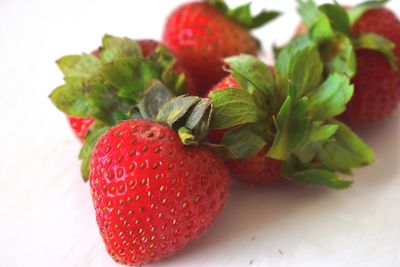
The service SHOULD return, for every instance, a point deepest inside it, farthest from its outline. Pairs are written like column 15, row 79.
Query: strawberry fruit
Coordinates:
column 363, row 42
column 202, row 33
column 152, row 194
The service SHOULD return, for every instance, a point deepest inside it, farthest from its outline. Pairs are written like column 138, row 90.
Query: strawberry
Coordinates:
column 148, row 51
column 279, row 123
column 363, row 42
column 377, row 85
column 152, row 195
column 80, row 126
column 257, row 169
column 202, row 33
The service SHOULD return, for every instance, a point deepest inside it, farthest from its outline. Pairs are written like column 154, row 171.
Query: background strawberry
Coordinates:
column 153, row 195
column 201, row 34
column 80, row 126
column 363, row 42
column 377, row 84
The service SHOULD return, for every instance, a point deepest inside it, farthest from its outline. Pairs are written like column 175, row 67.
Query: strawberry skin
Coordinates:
column 80, row 126
column 256, row 170
column 201, row 36
column 152, row 195
column 377, row 85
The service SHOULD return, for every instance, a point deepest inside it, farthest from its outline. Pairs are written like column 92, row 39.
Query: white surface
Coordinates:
column 46, row 214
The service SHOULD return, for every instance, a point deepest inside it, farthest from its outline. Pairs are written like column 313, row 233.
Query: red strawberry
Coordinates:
column 377, row 85
column 202, row 35
column 152, row 194
column 80, row 126
column 258, row 169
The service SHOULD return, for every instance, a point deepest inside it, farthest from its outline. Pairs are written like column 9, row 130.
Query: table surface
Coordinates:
column 47, row 217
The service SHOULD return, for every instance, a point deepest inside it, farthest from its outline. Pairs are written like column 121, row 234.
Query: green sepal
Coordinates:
column 249, row 70
column 345, row 151
column 244, row 141
column 108, row 107
column 79, row 66
column 317, row 22
column 71, row 98
column 117, row 47
column 337, row 15
column 299, row 63
column 91, row 138
column 190, row 116
column 319, row 133
column 242, row 14
column 330, row 99
column 321, row 177
column 153, row 99
column 130, row 76
column 163, row 56
column 234, row 107
column 357, row 11
column 378, row 43
column 293, row 127
column 339, row 55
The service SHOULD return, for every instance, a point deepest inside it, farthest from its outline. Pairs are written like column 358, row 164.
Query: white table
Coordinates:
column 46, row 214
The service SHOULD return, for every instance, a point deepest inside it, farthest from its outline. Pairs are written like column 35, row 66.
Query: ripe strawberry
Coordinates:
column 258, row 169
column 377, row 85
column 152, row 194
column 80, row 126
column 365, row 44
column 202, row 34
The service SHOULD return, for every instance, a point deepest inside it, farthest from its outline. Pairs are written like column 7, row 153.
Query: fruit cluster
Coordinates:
column 164, row 125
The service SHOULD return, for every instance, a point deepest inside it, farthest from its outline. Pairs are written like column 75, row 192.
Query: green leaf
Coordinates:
column 357, row 11
column 300, row 63
column 220, row 5
column 189, row 115
column 234, row 107
column 108, row 107
column 330, row 99
column 345, row 151
column 319, row 134
column 79, row 66
column 321, row 177
column 116, row 47
column 71, row 99
column 176, row 109
column 243, row 141
column 339, row 55
column 163, row 56
column 242, row 15
column 293, row 127
column 338, row 17
column 262, row 18
column 91, row 138
column 322, row 29
column 309, row 12
column 323, row 132
column 252, row 70
column 377, row 43
column 131, row 76
column 153, row 99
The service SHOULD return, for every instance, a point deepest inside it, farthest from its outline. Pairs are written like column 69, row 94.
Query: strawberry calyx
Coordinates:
column 330, row 26
column 291, row 111
column 114, row 86
column 242, row 14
